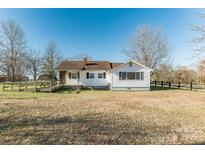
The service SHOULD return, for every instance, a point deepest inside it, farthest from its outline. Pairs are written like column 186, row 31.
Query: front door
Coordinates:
column 63, row 76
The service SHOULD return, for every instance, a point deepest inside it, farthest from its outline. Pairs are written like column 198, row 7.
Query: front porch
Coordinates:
column 71, row 78
column 89, row 78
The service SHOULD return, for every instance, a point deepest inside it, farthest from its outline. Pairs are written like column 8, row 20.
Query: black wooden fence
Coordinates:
column 178, row 85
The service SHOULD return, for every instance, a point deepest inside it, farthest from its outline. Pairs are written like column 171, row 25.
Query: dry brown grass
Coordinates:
column 103, row 117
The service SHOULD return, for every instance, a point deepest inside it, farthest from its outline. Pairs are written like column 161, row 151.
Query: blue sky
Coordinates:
column 104, row 33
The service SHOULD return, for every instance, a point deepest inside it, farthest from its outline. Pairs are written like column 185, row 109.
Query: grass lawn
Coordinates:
column 102, row 117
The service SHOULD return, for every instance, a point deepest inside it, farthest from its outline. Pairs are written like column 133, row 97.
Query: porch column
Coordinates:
column 58, row 75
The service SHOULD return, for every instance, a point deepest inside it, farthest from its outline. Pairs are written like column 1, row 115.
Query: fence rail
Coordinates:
column 178, row 85
column 35, row 86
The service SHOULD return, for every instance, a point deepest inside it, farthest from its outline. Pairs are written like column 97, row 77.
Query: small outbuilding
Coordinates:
column 3, row 78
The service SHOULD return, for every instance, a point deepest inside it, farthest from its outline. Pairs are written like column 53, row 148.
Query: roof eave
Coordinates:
column 149, row 69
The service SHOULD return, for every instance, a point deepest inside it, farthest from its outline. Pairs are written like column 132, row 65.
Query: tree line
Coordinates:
column 18, row 59
column 148, row 46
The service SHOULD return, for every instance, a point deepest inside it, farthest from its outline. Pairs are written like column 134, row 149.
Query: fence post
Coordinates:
column 155, row 83
column 3, row 86
column 191, row 86
column 161, row 83
column 19, row 86
column 36, row 86
column 12, row 86
column 169, row 84
column 179, row 85
column 51, row 86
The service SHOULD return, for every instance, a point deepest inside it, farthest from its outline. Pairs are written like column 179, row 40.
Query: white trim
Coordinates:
column 141, row 65
column 133, row 62
column 112, row 79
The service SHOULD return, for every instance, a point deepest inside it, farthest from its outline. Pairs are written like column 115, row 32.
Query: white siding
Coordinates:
column 96, row 81
column 71, row 81
column 118, row 84
column 88, row 82
column 112, row 78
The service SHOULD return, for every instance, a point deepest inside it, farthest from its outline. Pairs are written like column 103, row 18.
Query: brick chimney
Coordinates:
column 85, row 60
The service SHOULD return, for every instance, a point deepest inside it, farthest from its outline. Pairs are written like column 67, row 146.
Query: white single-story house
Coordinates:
column 115, row 76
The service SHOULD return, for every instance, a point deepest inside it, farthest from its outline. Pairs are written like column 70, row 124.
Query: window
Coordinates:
column 73, row 75
column 123, row 75
column 137, row 75
column 130, row 75
column 142, row 75
column 100, row 75
column 91, row 75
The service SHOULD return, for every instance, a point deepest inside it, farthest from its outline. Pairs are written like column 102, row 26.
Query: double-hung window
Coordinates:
column 100, row 75
column 90, row 75
column 73, row 75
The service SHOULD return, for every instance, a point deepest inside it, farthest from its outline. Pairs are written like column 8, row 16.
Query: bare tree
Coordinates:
column 185, row 75
column 12, row 48
column 22, row 66
column 79, row 57
column 201, row 70
column 4, row 64
column 51, row 59
column 165, row 72
column 199, row 40
column 35, row 62
column 148, row 46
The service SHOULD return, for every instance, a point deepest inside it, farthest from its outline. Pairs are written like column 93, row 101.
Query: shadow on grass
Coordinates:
column 200, row 143
column 69, row 91
column 153, row 88
column 95, row 128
